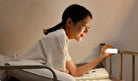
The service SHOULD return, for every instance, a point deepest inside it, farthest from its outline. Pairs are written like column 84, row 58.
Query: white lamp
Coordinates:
column 112, row 50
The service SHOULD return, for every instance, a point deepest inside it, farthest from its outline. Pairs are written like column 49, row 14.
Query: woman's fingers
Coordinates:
column 103, row 53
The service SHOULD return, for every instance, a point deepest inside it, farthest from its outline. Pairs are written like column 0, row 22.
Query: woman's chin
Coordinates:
column 79, row 39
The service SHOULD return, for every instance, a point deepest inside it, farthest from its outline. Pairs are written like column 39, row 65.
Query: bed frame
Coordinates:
column 11, row 67
column 122, row 52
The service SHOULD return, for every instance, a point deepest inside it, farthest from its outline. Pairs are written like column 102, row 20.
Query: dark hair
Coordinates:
column 75, row 12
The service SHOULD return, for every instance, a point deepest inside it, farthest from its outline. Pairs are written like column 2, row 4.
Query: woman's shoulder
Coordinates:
column 60, row 35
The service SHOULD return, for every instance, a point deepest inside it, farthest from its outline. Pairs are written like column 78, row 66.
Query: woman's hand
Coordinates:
column 103, row 54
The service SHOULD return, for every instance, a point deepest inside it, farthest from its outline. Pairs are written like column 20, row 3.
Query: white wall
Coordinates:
column 114, row 22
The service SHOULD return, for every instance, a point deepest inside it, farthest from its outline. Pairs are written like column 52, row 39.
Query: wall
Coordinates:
column 114, row 22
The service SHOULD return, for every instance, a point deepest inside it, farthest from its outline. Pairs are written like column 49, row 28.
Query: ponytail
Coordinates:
column 58, row 26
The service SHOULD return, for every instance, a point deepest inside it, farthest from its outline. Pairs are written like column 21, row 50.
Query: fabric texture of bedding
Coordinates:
column 36, row 74
column 3, row 60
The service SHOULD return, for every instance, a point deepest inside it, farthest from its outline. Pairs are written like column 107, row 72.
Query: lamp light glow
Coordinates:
column 112, row 50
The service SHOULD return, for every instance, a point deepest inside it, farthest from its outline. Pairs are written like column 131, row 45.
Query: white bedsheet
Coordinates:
column 37, row 74
column 3, row 60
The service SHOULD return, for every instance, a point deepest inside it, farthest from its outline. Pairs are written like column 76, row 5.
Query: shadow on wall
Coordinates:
column 127, row 40
column 93, row 55
column 129, row 31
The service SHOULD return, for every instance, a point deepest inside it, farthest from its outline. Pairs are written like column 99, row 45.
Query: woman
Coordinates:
column 53, row 48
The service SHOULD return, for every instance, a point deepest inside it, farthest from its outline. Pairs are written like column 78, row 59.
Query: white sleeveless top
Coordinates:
column 53, row 49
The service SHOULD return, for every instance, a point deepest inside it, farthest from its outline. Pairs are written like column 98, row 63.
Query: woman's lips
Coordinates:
column 82, row 35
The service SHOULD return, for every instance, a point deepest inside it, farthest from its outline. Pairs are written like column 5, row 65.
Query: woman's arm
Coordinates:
column 79, row 71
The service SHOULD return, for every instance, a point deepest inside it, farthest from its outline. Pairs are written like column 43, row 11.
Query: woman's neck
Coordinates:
column 68, row 33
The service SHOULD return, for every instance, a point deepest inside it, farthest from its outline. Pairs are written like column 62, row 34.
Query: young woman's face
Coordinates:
column 80, row 29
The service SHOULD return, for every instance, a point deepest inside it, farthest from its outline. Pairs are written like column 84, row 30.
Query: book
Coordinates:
column 99, row 74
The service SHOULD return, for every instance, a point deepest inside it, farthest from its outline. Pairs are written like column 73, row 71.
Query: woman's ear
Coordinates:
column 69, row 22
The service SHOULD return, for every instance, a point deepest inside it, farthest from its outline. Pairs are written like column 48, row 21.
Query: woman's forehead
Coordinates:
column 86, row 20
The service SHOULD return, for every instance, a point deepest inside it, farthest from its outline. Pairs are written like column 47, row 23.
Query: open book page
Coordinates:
column 99, row 74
